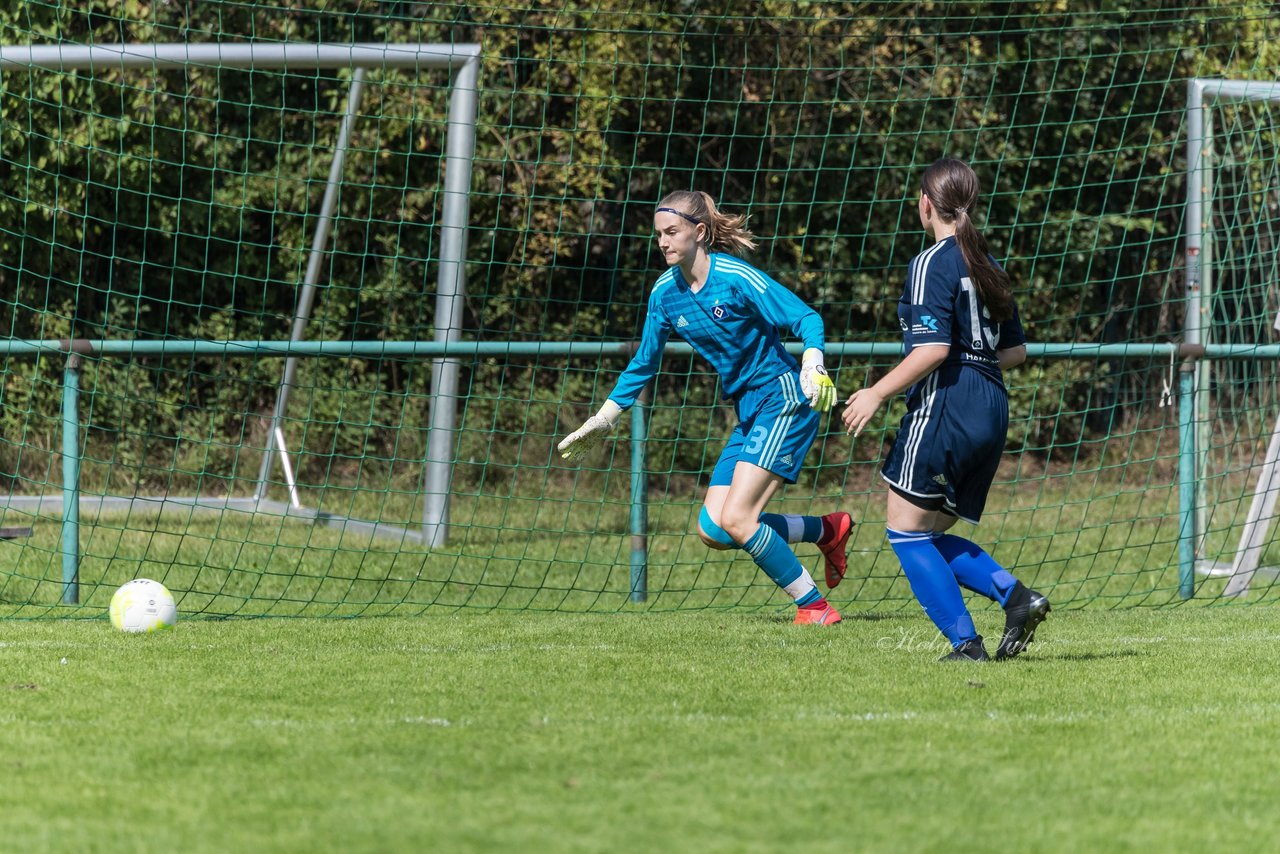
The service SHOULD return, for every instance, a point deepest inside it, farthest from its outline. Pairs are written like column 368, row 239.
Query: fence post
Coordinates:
column 71, row 480
column 639, row 501
column 1188, row 469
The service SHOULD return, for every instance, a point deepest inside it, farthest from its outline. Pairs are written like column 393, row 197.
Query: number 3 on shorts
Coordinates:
column 755, row 441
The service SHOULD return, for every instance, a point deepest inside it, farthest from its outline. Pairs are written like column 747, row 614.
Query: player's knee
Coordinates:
column 712, row 543
column 712, row 535
column 738, row 528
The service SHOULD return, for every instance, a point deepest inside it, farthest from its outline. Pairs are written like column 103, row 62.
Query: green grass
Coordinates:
column 1128, row 730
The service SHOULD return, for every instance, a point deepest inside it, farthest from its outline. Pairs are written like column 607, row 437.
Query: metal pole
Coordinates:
column 319, row 242
column 236, row 55
column 1187, row 478
column 1204, row 368
column 451, row 290
column 71, row 480
column 639, row 501
column 1193, row 319
column 1195, row 208
column 622, row 350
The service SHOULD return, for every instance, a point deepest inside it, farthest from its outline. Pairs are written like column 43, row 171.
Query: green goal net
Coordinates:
column 233, row 363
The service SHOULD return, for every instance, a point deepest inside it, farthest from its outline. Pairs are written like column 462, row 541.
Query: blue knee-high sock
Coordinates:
column 933, row 584
column 771, row 554
column 974, row 568
column 794, row 529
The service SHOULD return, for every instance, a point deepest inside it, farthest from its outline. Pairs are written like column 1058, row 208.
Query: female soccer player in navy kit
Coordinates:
column 961, row 331
column 730, row 313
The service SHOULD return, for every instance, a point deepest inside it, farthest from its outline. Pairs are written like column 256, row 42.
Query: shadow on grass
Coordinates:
column 1085, row 656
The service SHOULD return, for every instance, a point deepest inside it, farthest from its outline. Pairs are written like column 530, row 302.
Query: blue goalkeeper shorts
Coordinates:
column 776, row 427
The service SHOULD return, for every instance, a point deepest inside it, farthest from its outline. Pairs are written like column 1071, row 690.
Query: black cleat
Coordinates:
column 1024, row 610
column 970, row 650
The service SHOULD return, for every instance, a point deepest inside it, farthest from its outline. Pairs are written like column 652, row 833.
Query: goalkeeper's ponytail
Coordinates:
column 952, row 187
column 725, row 232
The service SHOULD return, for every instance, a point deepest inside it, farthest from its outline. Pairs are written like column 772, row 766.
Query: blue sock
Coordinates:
column 794, row 529
column 974, row 568
column 771, row 554
column 933, row 584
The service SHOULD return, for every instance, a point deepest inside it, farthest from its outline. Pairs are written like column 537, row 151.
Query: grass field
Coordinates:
column 1137, row 729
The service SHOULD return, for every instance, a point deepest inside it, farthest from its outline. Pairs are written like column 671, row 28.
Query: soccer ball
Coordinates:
column 143, row 605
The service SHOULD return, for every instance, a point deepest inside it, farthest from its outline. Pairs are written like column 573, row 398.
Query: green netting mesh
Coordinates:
column 165, row 205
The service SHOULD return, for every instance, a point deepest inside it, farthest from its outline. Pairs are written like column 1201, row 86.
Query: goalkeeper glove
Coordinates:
column 591, row 432
column 815, row 382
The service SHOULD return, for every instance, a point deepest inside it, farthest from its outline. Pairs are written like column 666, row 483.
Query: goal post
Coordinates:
column 1204, row 94
column 462, row 60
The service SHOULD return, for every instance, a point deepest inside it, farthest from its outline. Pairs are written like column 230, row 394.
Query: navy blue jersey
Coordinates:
column 941, row 305
column 732, row 321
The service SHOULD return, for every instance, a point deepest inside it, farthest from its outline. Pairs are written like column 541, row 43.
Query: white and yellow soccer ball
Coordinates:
column 143, row 605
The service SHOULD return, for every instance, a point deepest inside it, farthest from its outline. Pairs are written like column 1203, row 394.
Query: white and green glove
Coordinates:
column 815, row 383
column 594, row 429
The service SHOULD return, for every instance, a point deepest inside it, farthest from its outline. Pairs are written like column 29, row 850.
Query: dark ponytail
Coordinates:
column 952, row 188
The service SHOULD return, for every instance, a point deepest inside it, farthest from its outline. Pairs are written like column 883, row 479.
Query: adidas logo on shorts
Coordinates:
column 940, row 479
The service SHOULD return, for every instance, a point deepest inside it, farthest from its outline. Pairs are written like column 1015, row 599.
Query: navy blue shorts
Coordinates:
column 950, row 442
column 775, row 428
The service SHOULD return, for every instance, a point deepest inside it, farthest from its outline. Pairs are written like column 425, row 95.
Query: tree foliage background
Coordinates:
column 182, row 204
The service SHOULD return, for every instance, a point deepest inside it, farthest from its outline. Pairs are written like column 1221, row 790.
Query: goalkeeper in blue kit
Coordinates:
column 730, row 313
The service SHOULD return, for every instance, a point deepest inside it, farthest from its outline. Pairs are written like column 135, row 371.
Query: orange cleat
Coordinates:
column 841, row 525
column 827, row 616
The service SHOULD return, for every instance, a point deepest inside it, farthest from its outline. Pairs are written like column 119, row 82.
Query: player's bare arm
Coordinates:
column 863, row 404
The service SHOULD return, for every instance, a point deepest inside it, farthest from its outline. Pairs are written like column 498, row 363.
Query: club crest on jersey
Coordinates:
column 718, row 311
column 681, row 323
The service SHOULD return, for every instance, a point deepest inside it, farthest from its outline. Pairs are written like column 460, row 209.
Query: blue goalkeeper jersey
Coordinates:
column 732, row 321
column 941, row 305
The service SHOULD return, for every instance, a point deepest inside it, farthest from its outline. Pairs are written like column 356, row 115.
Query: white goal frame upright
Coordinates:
column 463, row 61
